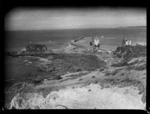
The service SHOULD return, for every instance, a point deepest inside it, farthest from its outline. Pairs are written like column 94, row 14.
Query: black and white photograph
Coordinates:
column 75, row 58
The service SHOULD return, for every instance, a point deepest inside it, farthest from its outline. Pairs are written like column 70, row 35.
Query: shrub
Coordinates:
column 139, row 68
column 108, row 73
column 93, row 76
column 115, row 72
column 80, row 79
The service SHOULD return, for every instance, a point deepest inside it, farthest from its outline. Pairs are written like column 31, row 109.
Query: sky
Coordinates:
column 65, row 18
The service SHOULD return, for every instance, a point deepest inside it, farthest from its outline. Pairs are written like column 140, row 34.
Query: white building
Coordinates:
column 128, row 42
column 96, row 42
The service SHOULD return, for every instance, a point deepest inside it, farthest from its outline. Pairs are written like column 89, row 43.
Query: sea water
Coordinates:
column 16, row 40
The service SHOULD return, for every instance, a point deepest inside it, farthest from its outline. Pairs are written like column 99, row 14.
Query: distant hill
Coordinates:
column 134, row 27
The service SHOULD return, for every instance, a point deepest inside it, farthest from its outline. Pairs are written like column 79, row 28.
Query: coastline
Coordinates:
column 119, row 81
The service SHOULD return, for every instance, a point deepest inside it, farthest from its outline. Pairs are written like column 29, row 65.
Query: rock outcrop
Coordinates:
column 36, row 48
column 32, row 50
column 128, row 54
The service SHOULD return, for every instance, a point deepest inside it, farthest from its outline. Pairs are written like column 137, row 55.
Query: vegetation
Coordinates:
column 139, row 68
column 122, row 82
column 62, row 63
column 128, row 53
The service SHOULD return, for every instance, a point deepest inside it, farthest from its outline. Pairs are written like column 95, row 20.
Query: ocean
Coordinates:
column 15, row 40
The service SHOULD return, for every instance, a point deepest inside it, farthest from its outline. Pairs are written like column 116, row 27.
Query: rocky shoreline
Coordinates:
column 81, row 72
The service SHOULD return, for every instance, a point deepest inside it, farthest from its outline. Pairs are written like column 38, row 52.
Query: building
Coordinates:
column 95, row 43
column 126, row 42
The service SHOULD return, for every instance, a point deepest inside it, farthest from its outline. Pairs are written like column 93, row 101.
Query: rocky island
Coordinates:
column 80, row 76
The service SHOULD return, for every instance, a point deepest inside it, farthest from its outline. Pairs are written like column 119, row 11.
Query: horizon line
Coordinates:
column 75, row 28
